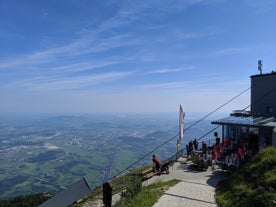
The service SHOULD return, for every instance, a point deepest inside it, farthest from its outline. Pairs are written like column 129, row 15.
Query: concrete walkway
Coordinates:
column 196, row 189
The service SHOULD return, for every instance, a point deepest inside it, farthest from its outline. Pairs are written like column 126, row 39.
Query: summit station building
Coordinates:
column 257, row 127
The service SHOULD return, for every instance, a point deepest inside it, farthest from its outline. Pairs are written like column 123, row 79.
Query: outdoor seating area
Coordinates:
column 220, row 154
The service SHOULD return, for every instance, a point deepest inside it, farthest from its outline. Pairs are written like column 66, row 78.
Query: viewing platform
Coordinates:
column 197, row 187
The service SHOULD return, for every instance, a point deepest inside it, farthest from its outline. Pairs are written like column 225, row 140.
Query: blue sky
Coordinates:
column 84, row 56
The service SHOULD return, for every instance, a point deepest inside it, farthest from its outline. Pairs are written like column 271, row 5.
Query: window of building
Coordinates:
column 269, row 109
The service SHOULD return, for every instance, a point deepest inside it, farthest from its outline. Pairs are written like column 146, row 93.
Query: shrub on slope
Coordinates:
column 253, row 185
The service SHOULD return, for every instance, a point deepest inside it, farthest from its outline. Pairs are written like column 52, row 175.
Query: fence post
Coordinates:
column 107, row 195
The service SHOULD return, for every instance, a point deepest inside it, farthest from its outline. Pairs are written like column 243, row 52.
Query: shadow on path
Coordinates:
column 217, row 176
column 189, row 198
column 214, row 178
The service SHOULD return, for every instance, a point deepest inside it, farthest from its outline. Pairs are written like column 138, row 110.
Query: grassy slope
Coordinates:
column 148, row 195
column 253, row 185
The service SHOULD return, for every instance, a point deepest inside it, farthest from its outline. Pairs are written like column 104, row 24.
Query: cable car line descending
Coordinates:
column 266, row 94
column 269, row 92
column 170, row 139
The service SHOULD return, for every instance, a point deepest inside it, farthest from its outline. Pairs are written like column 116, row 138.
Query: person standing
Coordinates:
column 191, row 145
column 156, row 162
column 188, row 149
column 195, row 142
column 204, row 147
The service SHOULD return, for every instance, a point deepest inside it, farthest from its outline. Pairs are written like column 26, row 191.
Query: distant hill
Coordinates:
column 254, row 185
column 43, row 154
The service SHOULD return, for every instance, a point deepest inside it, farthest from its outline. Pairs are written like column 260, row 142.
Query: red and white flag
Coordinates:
column 181, row 122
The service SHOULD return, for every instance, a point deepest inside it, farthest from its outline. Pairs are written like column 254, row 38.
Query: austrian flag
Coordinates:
column 181, row 122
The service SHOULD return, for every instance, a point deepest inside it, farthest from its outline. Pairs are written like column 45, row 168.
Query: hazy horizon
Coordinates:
column 170, row 115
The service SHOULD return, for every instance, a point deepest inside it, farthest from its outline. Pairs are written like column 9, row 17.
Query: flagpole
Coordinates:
column 181, row 127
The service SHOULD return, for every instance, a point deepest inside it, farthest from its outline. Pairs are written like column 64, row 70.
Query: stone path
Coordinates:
column 196, row 189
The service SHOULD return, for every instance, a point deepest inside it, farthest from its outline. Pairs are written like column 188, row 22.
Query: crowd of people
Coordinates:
column 192, row 146
column 219, row 151
column 223, row 152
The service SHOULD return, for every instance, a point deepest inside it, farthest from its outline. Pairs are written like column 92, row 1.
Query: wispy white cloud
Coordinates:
column 58, row 83
column 230, row 51
column 258, row 48
column 83, row 66
column 209, row 82
column 176, row 5
column 170, row 70
column 180, row 33
column 260, row 7
column 7, row 34
column 94, row 41
column 172, row 58
column 167, row 85
column 82, row 46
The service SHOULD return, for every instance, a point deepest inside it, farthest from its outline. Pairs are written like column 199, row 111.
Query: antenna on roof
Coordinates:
column 260, row 66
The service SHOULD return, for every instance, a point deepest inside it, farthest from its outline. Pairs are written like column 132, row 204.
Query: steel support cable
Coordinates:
column 194, row 125
column 191, row 127
column 214, row 112
column 134, row 163
column 269, row 92
column 127, row 168
column 218, row 108
column 208, row 132
column 152, row 151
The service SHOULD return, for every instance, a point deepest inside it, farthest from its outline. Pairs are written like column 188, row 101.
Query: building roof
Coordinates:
column 69, row 196
column 264, row 74
column 253, row 121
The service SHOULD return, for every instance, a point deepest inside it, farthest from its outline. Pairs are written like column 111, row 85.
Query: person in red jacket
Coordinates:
column 215, row 154
column 156, row 162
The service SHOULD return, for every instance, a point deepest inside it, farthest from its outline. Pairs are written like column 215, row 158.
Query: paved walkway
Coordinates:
column 196, row 189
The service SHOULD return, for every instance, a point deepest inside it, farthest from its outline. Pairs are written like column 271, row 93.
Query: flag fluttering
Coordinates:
column 181, row 122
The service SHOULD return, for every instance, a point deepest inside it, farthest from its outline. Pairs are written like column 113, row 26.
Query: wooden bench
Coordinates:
column 150, row 172
column 150, row 175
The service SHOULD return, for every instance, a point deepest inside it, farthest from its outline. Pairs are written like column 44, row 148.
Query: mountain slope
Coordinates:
column 253, row 185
